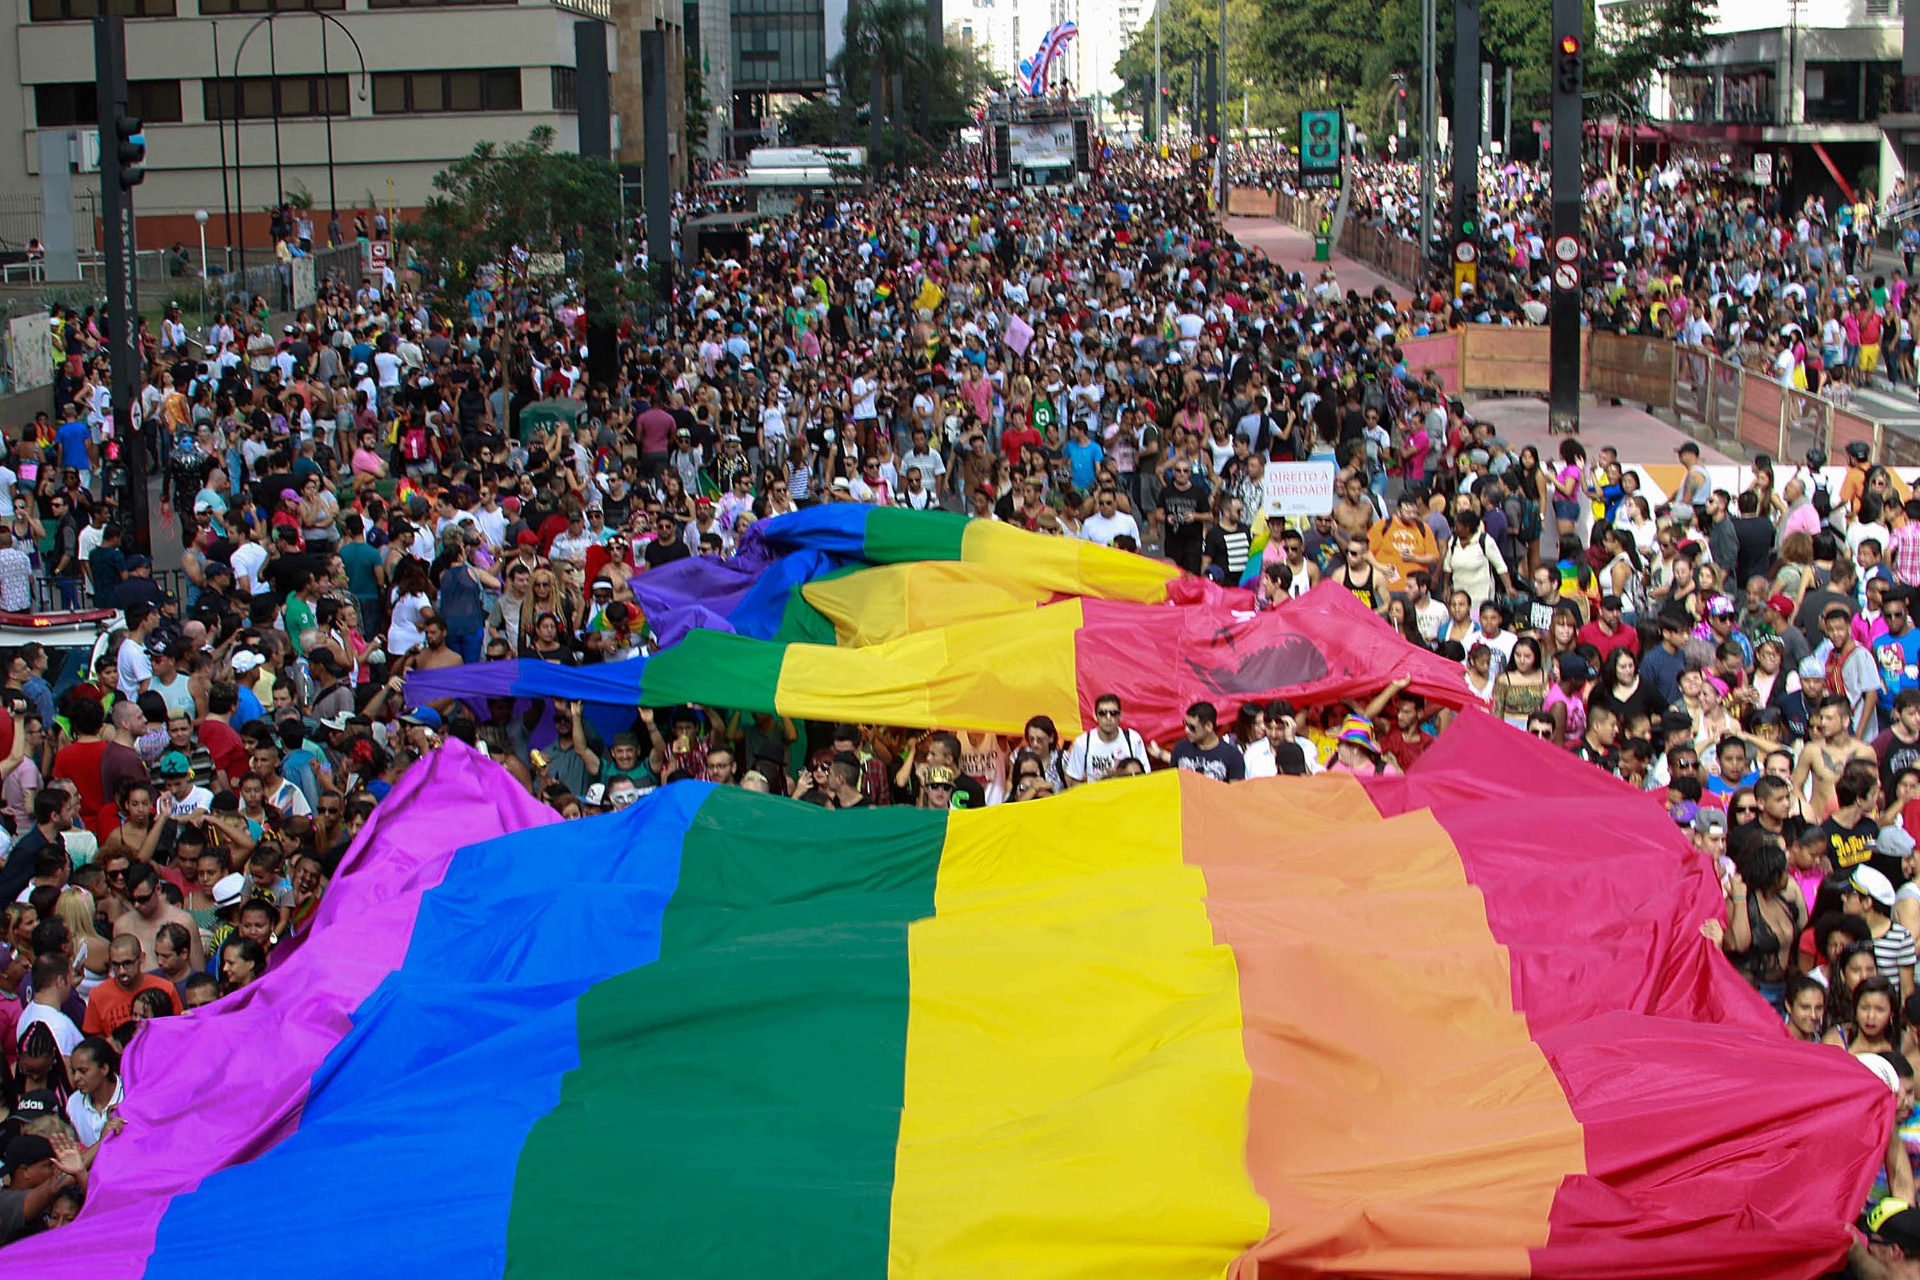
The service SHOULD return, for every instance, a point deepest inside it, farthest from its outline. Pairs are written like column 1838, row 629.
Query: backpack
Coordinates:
column 413, row 444
column 1523, row 518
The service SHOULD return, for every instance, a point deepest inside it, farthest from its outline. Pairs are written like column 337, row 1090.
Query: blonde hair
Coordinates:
column 75, row 908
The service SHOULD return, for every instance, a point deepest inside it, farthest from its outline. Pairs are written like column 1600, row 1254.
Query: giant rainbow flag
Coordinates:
column 1158, row 1028
column 942, row 566
column 993, row 673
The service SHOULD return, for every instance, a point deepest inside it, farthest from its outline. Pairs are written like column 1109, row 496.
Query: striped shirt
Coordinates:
column 1893, row 951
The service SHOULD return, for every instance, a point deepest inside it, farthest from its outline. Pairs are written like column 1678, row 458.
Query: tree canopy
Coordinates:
column 503, row 202
column 1284, row 55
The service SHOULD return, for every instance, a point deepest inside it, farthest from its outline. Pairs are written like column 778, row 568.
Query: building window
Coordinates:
column 214, row 8
column 67, row 106
column 264, row 98
column 415, row 92
column 566, row 89
column 72, row 10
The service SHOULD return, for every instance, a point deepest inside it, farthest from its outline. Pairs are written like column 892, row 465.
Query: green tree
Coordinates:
column 522, row 196
column 1655, row 38
column 893, row 32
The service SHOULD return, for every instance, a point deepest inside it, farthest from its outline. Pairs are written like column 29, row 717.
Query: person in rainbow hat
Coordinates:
column 1357, row 751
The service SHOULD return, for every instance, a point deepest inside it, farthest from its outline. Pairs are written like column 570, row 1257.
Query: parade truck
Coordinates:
column 1038, row 143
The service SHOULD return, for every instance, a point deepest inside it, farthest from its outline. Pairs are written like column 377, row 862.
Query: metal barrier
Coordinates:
column 1732, row 405
column 46, row 598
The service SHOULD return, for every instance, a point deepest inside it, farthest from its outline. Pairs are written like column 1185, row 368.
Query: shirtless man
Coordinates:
column 1353, row 514
column 1830, row 745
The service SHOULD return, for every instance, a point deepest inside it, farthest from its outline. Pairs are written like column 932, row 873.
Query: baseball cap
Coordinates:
column 1706, row 821
column 1894, row 1221
column 1811, row 668
column 339, row 722
column 1720, row 607
column 218, row 569
column 139, row 562
column 247, row 660
column 1780, row 605
column 28, row 1148
column 426, row 717
column 37, row 1102
column 1893, row 842
column 1871, row 883
column 174, row 764
column 938, row 775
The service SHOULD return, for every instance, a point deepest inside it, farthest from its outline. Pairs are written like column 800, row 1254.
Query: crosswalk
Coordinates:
column 1896, row 408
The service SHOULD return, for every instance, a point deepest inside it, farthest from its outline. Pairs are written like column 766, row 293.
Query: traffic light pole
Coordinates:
column 1466, row 123
column 123, row 153
column 1565, row 253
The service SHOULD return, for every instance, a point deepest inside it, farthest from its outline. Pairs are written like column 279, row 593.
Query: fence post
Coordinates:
column 1786, row 419
column 1879, row 442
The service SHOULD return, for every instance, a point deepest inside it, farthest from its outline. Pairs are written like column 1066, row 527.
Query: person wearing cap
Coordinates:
column 1779, row 621
column 1870, row 894
column 36, row 1175
column 180, row 798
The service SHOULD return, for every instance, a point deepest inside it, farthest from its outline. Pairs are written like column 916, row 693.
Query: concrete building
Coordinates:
column 357, row 102
column 1802, row 86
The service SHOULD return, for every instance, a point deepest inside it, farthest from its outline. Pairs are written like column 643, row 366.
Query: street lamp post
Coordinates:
column 200, row 216
column 233, row 82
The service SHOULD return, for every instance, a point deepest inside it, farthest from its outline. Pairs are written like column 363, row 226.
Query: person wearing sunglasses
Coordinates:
column 1096, row 753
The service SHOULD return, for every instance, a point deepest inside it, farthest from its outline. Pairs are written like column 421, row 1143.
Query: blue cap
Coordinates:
column 426, row 717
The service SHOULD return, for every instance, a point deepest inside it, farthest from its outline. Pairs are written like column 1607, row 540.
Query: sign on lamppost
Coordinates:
column 1322, row 147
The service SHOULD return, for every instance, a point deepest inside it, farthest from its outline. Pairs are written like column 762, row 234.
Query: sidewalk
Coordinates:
column 1292, row 249
column 1640, row 437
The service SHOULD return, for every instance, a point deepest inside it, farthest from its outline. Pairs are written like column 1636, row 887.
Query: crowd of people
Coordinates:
column 402, row 480
column 1814, row 289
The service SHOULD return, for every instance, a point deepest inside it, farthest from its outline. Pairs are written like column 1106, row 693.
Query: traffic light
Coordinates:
column 1469, row 228
column 1567, row 69
column 130, row 146
column 1213, row 145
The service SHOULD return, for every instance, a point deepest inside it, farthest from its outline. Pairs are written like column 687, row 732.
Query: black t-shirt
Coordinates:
column 1895, row 755
column 1851, row 846
column 1180, row 506
column 267, row 490
column 659, row 553
column 1222, row 761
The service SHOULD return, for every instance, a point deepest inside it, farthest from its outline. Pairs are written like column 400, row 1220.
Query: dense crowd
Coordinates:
column 402, row 480
column 1685, row 250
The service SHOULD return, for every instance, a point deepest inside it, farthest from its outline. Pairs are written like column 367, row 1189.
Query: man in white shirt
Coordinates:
column 52, row 982
column 931, row 468
column 1108, row 522
column 1098, row 752
column 136, row 672
column 1281, row 751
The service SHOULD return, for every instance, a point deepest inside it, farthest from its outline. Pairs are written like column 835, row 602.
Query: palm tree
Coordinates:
column 884, row 38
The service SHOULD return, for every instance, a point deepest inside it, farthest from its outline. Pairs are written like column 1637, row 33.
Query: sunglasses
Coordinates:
column 1541, row 733
column 139, row 901
column 1745, row 811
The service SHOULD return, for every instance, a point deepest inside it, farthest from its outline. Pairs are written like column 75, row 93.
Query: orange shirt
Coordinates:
column 1399, row 546
column 109, row 1005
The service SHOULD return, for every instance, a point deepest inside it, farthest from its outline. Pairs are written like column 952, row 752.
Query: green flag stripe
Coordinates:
column 899, row 536
column 738, row 1101
column 707, row 664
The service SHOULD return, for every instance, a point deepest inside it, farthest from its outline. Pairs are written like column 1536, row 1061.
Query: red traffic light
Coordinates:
column 1569, row 45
